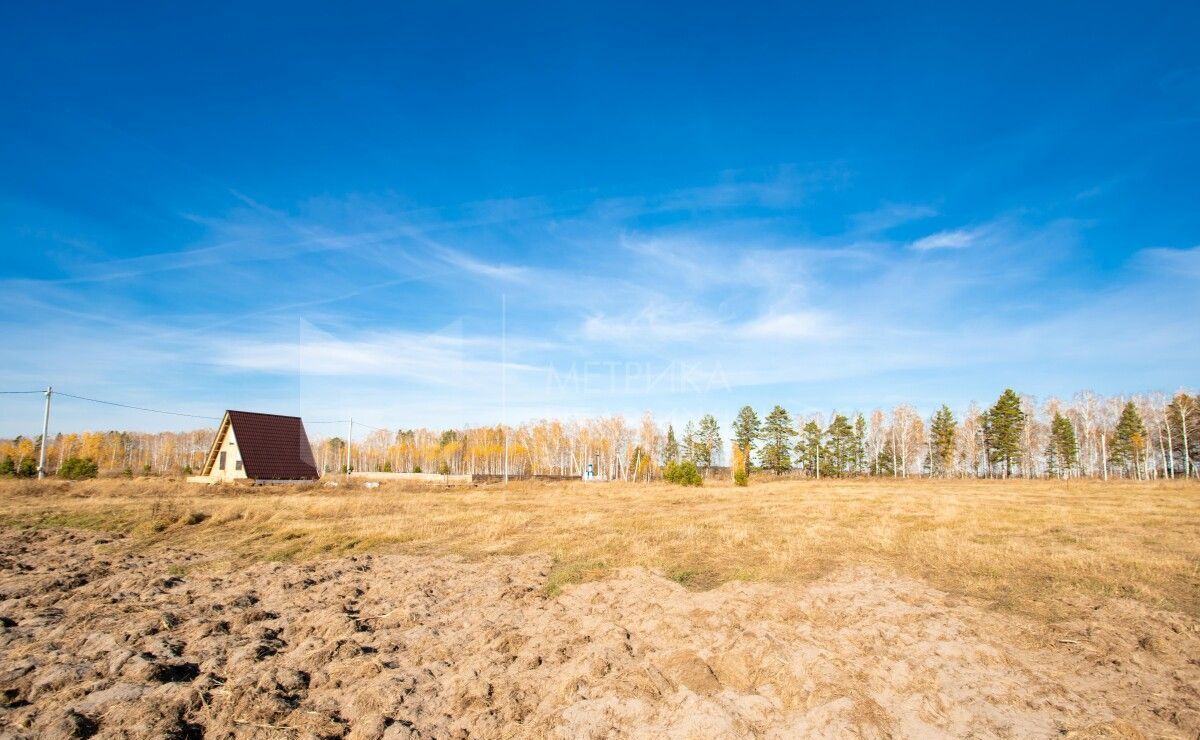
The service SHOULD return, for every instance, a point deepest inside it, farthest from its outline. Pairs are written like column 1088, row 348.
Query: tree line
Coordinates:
column 131, row 453
column 1144, row 436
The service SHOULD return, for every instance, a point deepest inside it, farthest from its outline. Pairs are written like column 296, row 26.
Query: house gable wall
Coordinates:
column 233, row 457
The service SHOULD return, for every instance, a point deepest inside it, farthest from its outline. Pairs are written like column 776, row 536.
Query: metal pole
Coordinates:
column 349, row 445
column 45, row 431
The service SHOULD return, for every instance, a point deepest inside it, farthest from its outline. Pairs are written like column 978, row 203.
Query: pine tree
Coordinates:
column 746, row 432
column 840, row 446
column 941, row 434
column 1129, row 439
column 809, row 448
column 708, row 438
column 671, row 448
column 776, row 454
column 1062, row 452
column 690, row 444
column 860, row 444
column 1003, row 425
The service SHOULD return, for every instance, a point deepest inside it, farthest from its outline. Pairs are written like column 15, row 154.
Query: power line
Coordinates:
column 135, row 408
column 176, row 413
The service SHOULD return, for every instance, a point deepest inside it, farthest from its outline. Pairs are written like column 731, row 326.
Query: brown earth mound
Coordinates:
column 99, row 641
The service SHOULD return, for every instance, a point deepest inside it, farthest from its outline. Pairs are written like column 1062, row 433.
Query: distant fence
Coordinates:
column 714, row 472
column 446, row 480
column 496, row 478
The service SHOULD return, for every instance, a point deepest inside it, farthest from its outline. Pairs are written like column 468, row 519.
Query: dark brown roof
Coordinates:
column 273, row 447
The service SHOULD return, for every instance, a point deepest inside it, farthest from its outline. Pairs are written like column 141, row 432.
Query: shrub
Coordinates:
column 444, row 468
column 416, row 468
column 741, row 477
column 27, row 469
column 147, row 470
column 683, row 474
column 187, row 469
column 76, row 468
column 127, row 472
column 671, row 472
column 7, row 466
column 387, row 467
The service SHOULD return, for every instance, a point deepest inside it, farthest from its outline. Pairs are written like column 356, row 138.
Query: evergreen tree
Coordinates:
column 746, row 432
column 1129, row 439
column 776, row 454
column 1003, row 425
column 889, row 459
column 7, row 466
column 941, row 434
column 860, row 444
column 809, row 448
column 840, row 446
column 74, row 468
column 708, row 439
column 690, row 444
column 685, row 474
column 1062, row 452
column 671, row 448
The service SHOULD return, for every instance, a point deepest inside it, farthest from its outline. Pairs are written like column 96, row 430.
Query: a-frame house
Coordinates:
column 259, row 448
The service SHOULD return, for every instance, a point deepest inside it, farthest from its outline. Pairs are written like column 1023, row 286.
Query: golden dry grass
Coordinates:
column 1038, row 547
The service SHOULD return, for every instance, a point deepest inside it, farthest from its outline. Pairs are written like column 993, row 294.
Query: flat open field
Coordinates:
column 1026, row 546
column 907, row 608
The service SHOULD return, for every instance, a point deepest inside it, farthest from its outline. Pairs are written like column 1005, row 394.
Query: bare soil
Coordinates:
column 99, row 638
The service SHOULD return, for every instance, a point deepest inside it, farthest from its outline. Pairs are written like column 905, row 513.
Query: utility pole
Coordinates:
column 45, row 431
column 1104, row 452
column 349, row 445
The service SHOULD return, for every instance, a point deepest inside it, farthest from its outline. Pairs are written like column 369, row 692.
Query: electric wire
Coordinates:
column 136, row 408
column 175, row 413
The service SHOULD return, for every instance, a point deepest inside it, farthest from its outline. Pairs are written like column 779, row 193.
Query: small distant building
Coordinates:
column 259, row 448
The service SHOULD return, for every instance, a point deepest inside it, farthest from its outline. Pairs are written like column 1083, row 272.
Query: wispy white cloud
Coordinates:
column 889, row 216
column 793, row 325
column 481, row 268
column 692, row 324
column 1171, row 262
column 952, row 239
column 429, row 359
column 655, row 323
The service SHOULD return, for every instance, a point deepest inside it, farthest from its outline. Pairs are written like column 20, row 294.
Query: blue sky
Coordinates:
column 683, row 207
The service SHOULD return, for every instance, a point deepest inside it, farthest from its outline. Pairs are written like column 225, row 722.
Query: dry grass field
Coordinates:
column 151, row 609
column 1030, row 547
